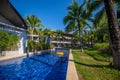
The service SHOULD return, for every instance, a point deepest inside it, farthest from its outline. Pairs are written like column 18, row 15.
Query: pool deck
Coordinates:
column 11, row 56
column 71, row 71
column 2, row 58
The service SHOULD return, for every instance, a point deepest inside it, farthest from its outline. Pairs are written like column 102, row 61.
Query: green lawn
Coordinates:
column 90, row 68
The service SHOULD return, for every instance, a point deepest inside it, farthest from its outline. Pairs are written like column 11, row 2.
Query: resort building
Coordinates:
column 13, row 23
column 64, row 41
column 35, row 37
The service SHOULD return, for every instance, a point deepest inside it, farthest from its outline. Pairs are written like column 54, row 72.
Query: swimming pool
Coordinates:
column 46, row 66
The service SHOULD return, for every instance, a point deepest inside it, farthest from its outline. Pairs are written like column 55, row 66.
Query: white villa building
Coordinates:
column 12, row 22
column 64, row 41
column 35, row 37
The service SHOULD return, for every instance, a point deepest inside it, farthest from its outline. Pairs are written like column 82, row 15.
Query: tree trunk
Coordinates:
column 114, row 32
column 80, row 36
column 32, row 32
column 57, row 41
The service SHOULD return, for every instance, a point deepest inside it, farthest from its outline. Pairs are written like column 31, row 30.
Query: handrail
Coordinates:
column 11, row 26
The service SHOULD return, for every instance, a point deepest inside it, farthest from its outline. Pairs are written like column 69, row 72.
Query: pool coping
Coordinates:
column 2, row 58
column 71, row 70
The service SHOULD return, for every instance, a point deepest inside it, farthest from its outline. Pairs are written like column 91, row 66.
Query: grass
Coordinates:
column 89, row 68
column 100, row 55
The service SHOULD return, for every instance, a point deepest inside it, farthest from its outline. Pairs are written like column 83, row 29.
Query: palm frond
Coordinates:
column 96, row 4
column 67, row 19
column 100, row 15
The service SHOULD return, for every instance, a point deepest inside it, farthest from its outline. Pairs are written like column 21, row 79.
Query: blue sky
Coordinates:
column 51, row 12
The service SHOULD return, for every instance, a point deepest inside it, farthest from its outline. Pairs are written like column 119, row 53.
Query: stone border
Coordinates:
column 71, row 70
column 2, row 58
column 7, row 57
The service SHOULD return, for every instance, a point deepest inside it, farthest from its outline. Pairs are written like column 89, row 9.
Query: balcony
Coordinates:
column 10, row 28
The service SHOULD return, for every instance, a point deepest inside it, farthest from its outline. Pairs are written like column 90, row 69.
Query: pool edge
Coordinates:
column 71, row 70
column 2, row 58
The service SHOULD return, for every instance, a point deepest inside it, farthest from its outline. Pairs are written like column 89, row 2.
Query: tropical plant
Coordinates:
column 47, row 33
column 8, row 41
column 33, row 22
column 30, row 45
column 114, row 32
column 75, row 39
column 76, row 19
column 101, row 46
column 51, row 46
column 59, row 36
column 101, row 29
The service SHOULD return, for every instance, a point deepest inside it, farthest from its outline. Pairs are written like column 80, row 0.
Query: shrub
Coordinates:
column 8, row 41
column 45, row 46
column 30, row 45
column 38, row 46
column 100, row 51
column 51, row 46
column 101, row 46
column 99, row 55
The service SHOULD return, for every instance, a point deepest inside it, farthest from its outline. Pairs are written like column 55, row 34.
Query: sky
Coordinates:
column 50, row 12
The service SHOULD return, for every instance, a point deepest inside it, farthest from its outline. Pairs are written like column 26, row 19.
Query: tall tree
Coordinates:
column 47, row 33
column 33, row 22
column 60, row 37
column 114, row 32
column 76, row 18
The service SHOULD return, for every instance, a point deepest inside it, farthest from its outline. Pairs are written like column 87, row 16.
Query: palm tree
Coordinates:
column 76, row 18
column 40, row 33
column 47, row 32
column 60, row 37
column 100, row 28
column 33, row 22
column 75, row 39
column 114, row 32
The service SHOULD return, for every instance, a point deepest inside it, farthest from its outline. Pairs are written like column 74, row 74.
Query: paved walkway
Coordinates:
column 11, row 56
column 14, row 56
column 71, row 72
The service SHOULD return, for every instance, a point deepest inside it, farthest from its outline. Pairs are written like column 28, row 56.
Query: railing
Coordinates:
column 61, row 42
column 11, row 28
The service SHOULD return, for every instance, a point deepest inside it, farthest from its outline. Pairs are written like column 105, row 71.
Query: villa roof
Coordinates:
column 11, row 14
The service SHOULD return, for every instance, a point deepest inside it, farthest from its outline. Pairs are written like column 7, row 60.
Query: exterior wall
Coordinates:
column 23, row 42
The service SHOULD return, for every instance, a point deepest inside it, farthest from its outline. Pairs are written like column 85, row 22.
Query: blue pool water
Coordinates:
column 45, row 66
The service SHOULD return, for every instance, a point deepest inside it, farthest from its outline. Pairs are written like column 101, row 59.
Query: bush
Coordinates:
column 30, row 45
column 101, row 46
column 51, row 46
column 45, row 46
column 100, row 51
column 99, row 55
column 8, row 41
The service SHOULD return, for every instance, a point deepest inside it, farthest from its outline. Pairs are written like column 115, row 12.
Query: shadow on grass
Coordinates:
column 92, row 65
